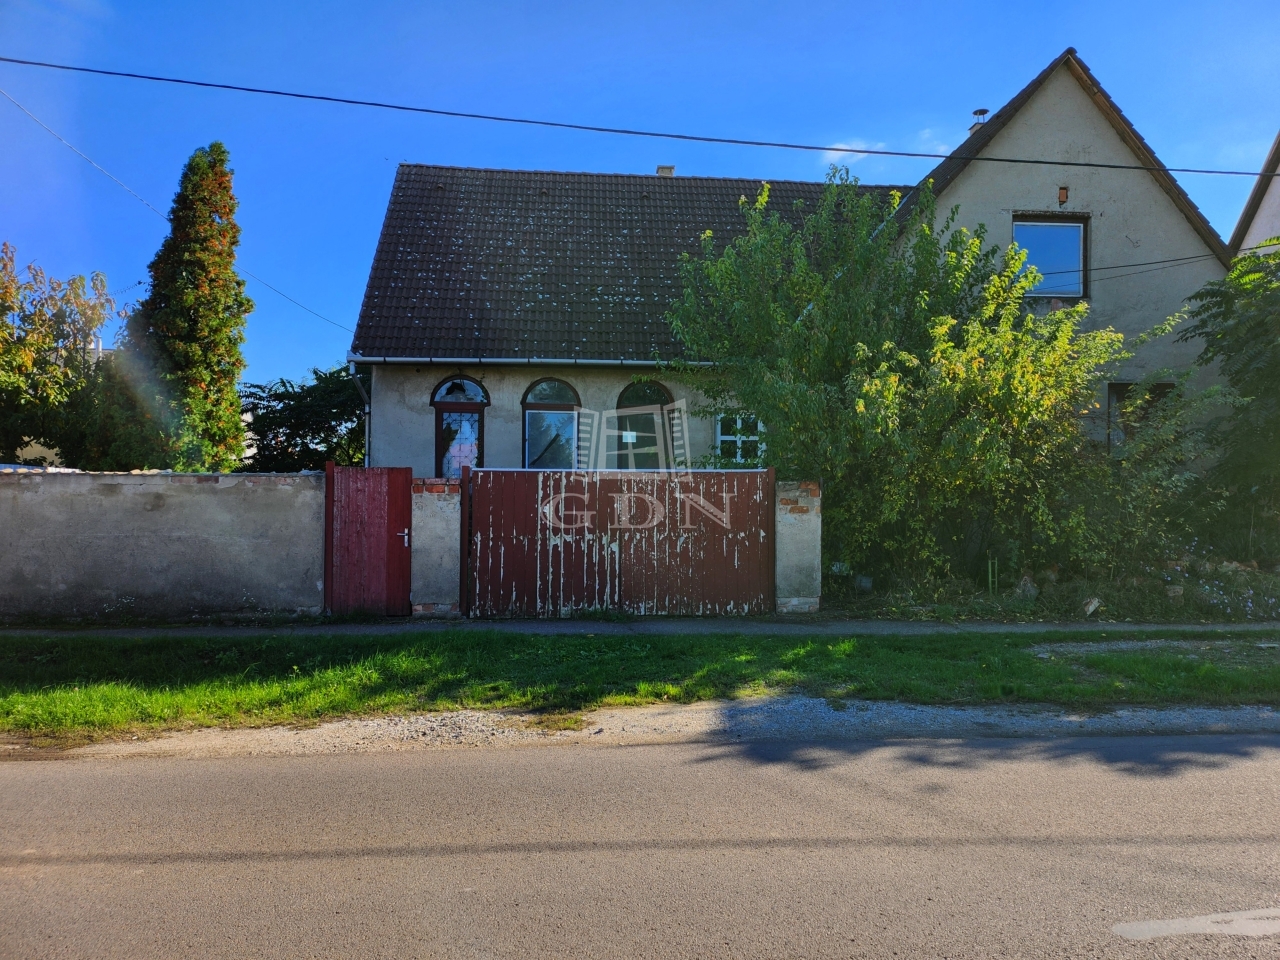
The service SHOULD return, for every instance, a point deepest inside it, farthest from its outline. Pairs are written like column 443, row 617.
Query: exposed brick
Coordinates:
column 435, row 609
column 787, row 502
column 437, row 485
column 798, row 510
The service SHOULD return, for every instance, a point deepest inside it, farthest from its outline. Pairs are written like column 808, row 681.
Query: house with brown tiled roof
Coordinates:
column 508, row 312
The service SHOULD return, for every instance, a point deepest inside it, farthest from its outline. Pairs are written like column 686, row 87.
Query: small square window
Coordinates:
column 1056, row 249
column 1118, row 395
column 738, row 439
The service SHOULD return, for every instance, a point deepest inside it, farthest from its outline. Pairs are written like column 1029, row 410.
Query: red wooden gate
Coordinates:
column 367, row 531
column 547, row 543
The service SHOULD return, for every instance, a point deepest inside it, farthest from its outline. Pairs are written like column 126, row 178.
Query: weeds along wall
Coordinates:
column 160, row 545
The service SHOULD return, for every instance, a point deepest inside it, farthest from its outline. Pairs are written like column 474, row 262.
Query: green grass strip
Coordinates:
column 90, row 686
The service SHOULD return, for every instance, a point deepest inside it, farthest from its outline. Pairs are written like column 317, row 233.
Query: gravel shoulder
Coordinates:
column 762, row 718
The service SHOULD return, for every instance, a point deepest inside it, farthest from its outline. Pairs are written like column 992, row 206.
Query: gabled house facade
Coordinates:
column 1260, row 219
column 508, row 313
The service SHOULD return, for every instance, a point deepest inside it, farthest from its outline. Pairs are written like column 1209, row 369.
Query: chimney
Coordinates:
column 666, row 170
column 979, row 118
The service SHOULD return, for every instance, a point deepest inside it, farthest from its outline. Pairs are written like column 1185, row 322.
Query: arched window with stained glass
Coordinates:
column 459, row 403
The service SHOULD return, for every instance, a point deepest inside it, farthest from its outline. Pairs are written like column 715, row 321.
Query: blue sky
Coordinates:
column 1198, row 79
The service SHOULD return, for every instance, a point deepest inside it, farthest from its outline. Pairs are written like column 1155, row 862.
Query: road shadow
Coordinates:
column 1145, row 755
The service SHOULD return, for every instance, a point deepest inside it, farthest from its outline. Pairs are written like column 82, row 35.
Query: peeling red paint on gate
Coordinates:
column 547, row 543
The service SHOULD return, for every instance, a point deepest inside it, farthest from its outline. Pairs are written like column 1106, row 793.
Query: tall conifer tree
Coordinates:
column 171, row 399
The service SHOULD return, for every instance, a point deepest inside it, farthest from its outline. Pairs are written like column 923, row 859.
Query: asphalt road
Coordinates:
column 981, row 848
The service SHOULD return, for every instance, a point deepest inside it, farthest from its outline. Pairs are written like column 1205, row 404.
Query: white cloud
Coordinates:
column 837, row 155
column 927, row 141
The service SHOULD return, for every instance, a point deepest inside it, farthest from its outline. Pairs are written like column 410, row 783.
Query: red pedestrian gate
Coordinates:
column 548, row 543
column 367, row 536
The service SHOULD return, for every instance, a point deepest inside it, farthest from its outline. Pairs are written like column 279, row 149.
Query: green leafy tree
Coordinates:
column 48, row 330
column 168, row 398
column 1237, row 321
column 1154, row 500
column 299, row 426
column 895, row 359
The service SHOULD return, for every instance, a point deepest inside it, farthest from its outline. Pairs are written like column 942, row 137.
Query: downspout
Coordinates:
column 351, row 368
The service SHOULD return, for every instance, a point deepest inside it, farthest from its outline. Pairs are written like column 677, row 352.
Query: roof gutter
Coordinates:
column 512, row 361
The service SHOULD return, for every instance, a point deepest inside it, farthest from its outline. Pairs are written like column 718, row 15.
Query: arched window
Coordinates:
column 551, row 426
column 638, row 441
column 459, row 403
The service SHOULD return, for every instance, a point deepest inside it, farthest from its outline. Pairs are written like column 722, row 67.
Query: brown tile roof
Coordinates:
column 513, row 264
column 947, row 171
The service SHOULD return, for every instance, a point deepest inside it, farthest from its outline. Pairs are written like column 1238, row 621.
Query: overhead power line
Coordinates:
column 87, row 159
column 107, row 173
column 619, row 131
column 1173, row 262
column 296, row 303
column 1093, row 269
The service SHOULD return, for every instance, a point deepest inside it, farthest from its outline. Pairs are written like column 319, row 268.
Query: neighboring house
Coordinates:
column 1260, row 219
column 1130, row 242
column 508, row 312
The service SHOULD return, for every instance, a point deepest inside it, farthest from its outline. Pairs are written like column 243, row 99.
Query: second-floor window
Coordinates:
column 1056, row 248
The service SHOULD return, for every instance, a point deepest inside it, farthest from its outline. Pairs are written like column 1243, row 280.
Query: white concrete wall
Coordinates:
column 1132, row 219
column 798, row 547
column 1266, row 222
column 403, row 422
column 170, row 545
column 437, row 519
column 77, row 544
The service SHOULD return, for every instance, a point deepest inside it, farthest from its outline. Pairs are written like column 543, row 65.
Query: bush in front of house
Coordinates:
column 950, row 415
column 299, row 425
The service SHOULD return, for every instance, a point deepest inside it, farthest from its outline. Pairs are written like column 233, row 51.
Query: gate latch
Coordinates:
column 403, row 533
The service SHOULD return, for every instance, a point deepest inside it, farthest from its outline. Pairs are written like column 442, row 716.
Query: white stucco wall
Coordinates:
column 437, row 519
column 1266, row 222
column 798, row 547
column 160, row 545
column 402, row 425
column 1131, row 219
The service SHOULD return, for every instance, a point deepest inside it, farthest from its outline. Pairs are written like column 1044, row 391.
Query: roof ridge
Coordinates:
column 637, row 176
column 1251, row 206
column 946, row 172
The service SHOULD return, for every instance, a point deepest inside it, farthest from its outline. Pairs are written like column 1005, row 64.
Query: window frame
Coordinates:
column 737, row 439
column 1118, row 394
column 1051, row 218
column 454, row 406
column 639, row 406
column 535, row 406
column 661, row 427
